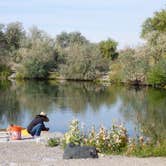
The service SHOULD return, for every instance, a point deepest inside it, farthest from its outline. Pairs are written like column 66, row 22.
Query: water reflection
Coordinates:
column 9, row 105
column 91, row 103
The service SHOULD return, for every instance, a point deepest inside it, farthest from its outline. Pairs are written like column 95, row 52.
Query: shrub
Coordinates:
column 106, row 141
column 4, row 72
column 73, row 135
column 114, row 141
column 157, row 74
column 83, row 63
column 35, row 68
column 142, row 148
column 52, row 142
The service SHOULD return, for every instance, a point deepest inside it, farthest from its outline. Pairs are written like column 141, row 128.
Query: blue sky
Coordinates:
column 96, row 19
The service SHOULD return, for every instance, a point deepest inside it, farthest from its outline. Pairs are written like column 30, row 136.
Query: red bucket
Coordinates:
column 15, row 132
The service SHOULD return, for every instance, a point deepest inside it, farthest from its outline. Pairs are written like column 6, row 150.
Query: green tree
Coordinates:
column 83, row 63
column 108, row 49
column 156, row 23
column 14, row 34
column 3, row 45
column 131, row 66
column 36, row 57
column 3, row 42
column 4, row 54
column 157, row 73
column 117, row 66
column 65, row 39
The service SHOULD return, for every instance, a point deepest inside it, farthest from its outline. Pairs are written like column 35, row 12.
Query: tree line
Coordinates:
column 34, row 54
column 145, row 64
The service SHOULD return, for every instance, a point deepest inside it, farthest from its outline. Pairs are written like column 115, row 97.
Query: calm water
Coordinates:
column 92, row 104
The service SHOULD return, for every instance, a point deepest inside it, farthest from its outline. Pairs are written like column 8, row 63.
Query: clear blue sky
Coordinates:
column 96, row 19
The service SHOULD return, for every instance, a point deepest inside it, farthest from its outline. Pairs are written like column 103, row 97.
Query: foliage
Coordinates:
column 156, row 23
column 36, row 58
column 34, row 68
column 34, row 54
column 131, row 66
column 3, row 41
column 4, row 71
column 116, row 72
column 139, row 65
column 134, row 69
column 10, row 40
column 143, row 148
column 114, row 141
column 11, row 35
column 105, row 141
column 52, row 142
column 157, row 74
column 73, row 135
column 14, row 34
column 65, row 39
column 108, row 141
column 156, row 45
column 83, row 63
column 108, row 49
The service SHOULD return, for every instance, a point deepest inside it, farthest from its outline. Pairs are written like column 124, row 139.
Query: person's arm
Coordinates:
column 44, row 128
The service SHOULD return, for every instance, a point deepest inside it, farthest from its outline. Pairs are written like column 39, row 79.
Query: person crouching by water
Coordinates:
column 37, row 125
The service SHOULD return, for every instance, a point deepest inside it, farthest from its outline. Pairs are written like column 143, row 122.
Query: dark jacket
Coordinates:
column 38, row 119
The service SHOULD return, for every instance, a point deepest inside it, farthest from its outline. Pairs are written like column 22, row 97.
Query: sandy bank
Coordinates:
column 29, row 152
column 34, row 154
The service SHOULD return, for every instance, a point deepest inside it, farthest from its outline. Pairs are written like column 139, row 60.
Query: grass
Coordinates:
column 153, row 150
column 52, row 142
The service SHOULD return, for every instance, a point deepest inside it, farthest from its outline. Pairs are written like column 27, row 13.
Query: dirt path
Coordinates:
column 33, row 154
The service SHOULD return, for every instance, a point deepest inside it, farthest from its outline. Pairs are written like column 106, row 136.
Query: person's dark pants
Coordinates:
column 36, row 130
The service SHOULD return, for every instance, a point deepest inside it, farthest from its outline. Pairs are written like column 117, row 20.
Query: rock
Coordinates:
column 76, row 152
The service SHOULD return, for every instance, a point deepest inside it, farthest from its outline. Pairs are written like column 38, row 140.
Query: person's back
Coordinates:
column 37, row 124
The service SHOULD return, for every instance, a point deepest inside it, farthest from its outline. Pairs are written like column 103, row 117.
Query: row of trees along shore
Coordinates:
column 34, row 54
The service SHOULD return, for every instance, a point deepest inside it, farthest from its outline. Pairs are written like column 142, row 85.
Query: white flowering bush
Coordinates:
column 73, row 135
column 118, row 138
column 106, row 141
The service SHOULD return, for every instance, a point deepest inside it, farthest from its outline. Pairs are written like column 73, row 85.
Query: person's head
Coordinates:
column 44, row 115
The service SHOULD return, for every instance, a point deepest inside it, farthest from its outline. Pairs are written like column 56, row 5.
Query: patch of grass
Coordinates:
column 52, row 142
column 150, row 150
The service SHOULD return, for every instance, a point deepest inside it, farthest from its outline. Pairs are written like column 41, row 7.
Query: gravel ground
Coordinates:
column 30, row 153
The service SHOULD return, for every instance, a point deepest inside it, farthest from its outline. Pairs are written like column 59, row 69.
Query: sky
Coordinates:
column 97, row 20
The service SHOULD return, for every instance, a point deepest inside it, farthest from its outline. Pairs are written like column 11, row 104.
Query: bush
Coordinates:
column 106, row 141
column 157, row 74
column 142, row 148
column 116, row 72
column 35, row 62
column 73, row 135
column 114, row 141
column 52, row 142
column 35, row 68
column 83, row 63
column 4, row 72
